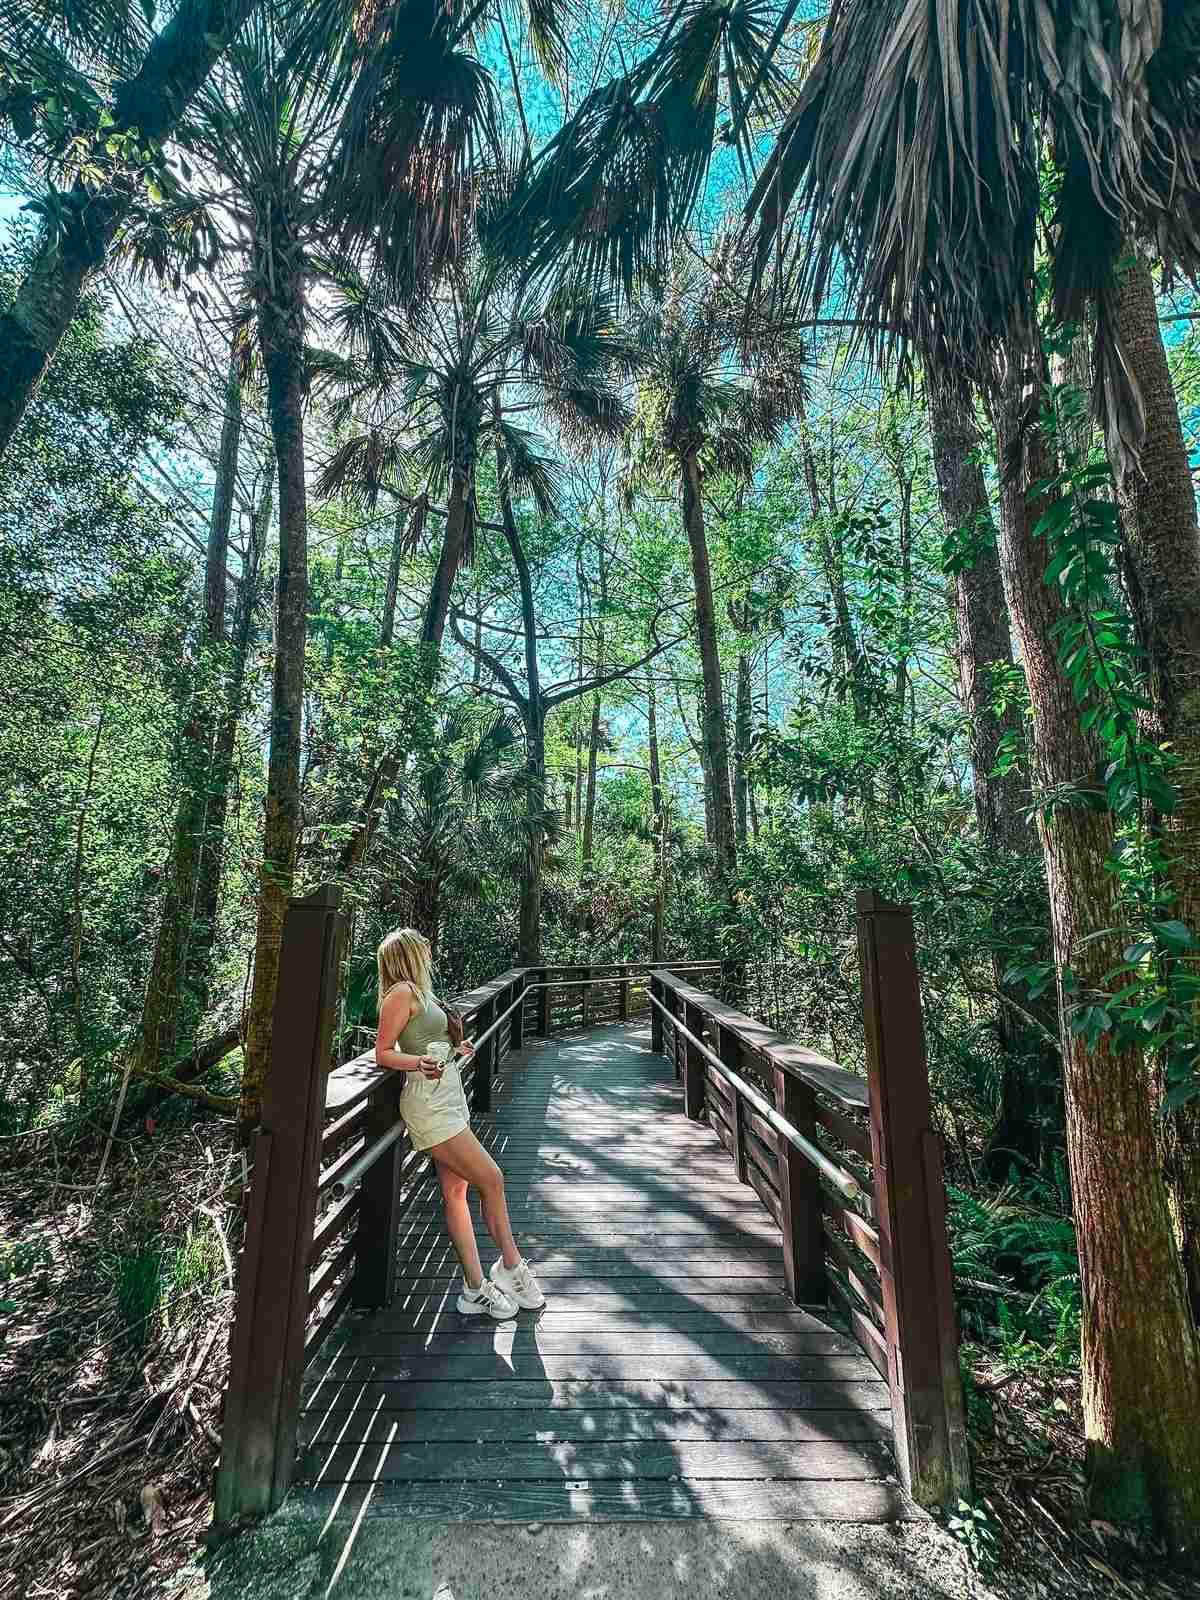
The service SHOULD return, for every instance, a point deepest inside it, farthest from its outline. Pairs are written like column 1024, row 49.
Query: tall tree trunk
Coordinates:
column 1030, row 1074
column 1158, row 511
column 589, row 804
column 846, row 657
column 658, row 811
column 216, row 567
column 208, row 880
column 741, row 749
column 713, row 734
column 281, row 327
column 387, row 627
column 984, row 642
column 450, row 559
column 534, row 712
column 589, row 813
column 905, row 641
column 171, row 1011
column 427, row 910
column 1140, row 1358
column 180, row 57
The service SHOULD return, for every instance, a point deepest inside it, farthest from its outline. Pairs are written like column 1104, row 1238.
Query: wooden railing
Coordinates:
column 333, row 1171
column 851, row 1170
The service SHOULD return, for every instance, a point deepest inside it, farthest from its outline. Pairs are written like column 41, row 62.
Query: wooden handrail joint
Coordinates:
column 844, row 1182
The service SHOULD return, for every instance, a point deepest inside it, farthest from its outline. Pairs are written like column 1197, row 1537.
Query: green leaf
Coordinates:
column 1175, row 933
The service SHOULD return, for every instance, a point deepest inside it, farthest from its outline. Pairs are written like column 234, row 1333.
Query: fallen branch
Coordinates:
column 170, row 1086
column 177, row 1079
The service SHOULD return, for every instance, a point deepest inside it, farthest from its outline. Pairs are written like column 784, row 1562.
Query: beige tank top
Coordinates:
column 424, row 1028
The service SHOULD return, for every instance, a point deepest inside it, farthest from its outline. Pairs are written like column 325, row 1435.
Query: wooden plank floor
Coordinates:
column 668, row 1376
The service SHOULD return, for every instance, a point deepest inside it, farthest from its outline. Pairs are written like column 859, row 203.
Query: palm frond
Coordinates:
column 68, row 40
column 618, row 182
column 361, row 467
column 417, row 118
column 545, row 21
column 529, row 469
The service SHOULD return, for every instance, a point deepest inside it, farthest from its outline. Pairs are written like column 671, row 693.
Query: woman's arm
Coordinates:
column 394, row 1016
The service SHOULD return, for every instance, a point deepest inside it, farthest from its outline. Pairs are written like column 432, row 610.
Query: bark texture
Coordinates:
column 984, row 641
column 1158, row 512
column 449, row 561
column 1140, row 1360
column 713, row 735
column 280, row 305
column 659, row 809
column 1029, row 1101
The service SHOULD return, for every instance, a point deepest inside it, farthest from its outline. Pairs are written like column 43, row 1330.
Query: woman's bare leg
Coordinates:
column 459, row 1224
column 465, row 1156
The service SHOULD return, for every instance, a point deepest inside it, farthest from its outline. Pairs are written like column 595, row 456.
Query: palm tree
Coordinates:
column 461, row 820
column 1158, row 511
column 715, row 385
column 57, row 54
column 300, row 126
column 914, row 152
column 913, row 155
column 431, row 389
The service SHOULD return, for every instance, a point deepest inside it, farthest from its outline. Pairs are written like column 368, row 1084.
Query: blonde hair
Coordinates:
column 403, row 957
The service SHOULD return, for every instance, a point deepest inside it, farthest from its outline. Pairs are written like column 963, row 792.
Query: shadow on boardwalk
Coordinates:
column 669, row 1377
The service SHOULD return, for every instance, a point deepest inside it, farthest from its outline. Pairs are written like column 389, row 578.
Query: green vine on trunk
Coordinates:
column 1153, row 991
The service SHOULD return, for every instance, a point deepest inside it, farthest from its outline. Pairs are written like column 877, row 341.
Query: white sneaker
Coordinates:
column 518, row 1283
column 486, row 1301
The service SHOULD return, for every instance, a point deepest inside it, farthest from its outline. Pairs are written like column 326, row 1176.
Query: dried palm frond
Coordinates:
column 913, row 158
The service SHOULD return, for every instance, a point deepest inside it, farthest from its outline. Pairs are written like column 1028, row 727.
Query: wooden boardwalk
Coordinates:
column 669, row 1375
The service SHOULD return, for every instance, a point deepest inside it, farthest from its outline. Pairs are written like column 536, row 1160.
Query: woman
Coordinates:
column 434, row 1108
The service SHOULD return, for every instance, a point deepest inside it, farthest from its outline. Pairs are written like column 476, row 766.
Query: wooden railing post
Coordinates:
column 258, row 1432
column 623, row 1000
column 656, row 1022
column 543, row 1026
column 910, row 1210
column 379, row 1201
column 800, row 1196
column 585, row 994
column 485, row 1057
column 516, row 1038
column 729, row 1050
column 693, row 1064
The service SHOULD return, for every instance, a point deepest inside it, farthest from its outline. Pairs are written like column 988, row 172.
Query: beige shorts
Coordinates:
column 434, row 1112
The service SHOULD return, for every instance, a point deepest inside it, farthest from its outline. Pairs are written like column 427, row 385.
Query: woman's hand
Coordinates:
column 465, row 1049
column 431, row 1068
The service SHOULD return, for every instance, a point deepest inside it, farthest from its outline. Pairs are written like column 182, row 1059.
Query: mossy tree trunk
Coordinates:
column 1140, row 1359
column 280, row 305
column 1158, row 512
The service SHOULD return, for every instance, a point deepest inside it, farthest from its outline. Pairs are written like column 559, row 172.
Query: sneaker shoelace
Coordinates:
column 490, row 1292
column 521, row 1276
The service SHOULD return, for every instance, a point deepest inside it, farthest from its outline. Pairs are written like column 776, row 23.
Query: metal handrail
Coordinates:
column 491, row 1028
column 844, row 1182
column 581, row 983
column 367, row 1160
